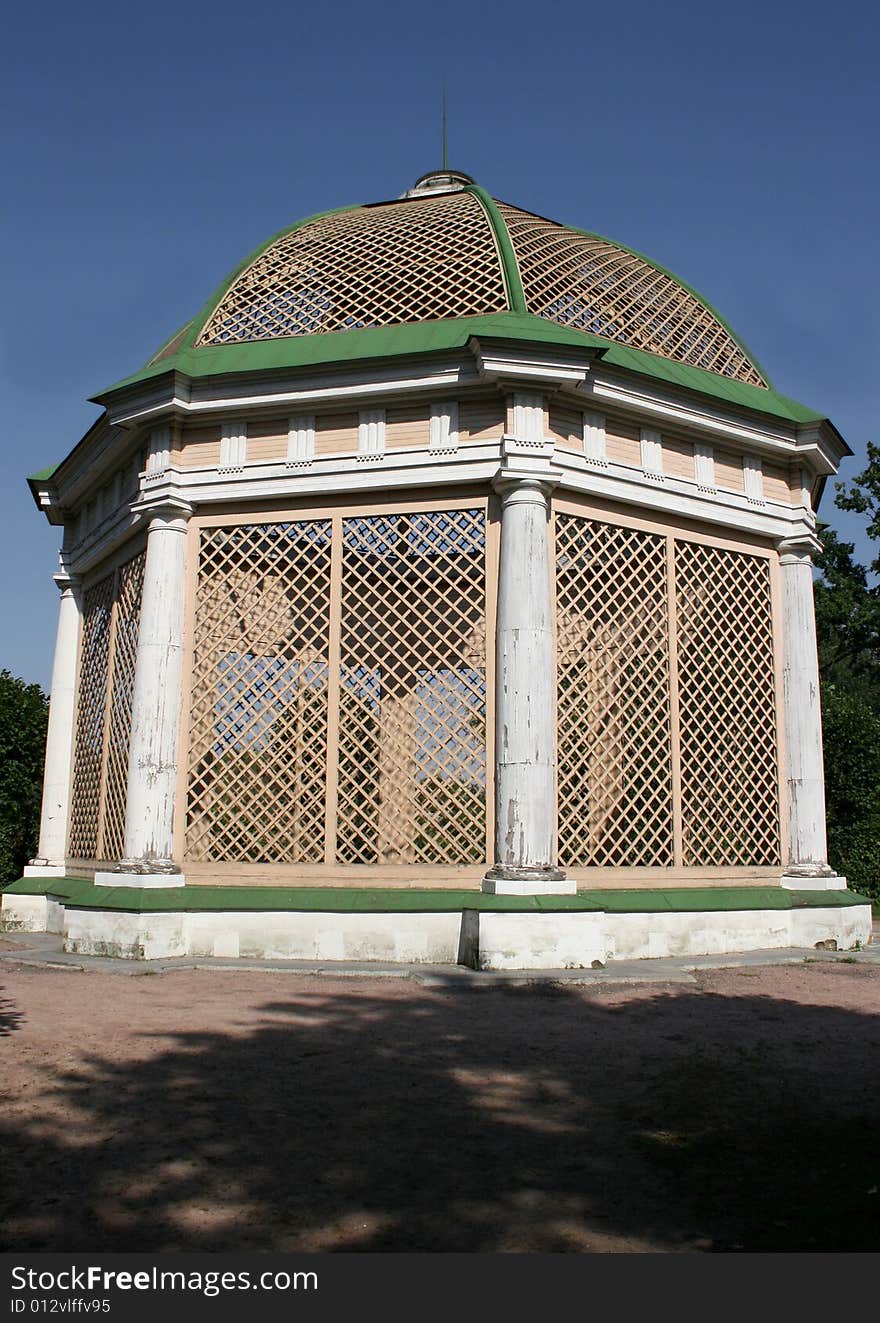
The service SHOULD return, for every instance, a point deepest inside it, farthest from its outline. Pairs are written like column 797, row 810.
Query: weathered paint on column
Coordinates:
column 55, row 812
column 525, row 734
column 152, row 764
column 802, row 717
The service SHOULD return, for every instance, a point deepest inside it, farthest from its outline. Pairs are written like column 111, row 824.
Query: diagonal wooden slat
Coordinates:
column 730, row 795
column 111, row 616
column 593, row 285
column 613, row 742
column 375, row 266
column 258, row 728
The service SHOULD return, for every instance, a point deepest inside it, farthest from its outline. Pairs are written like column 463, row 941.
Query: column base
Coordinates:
column 829, row 881
column 809, row 870
column 141, row 873
column 502, row 880
column 37, row 869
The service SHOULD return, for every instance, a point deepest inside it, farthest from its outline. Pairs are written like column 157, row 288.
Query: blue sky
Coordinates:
column 146, row 150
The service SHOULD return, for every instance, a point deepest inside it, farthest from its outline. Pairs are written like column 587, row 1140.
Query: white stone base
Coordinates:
column 578, row 939
column 504, row 886
column 31, row 914
column 283, row 935
column 45, row 870
column 832, row 883
column 125, row 936
column 140, row 880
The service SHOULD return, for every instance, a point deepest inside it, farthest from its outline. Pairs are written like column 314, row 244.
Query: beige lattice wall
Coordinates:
column 338, row 699
column 108, row 649
column 338, row 709
column 668, row 697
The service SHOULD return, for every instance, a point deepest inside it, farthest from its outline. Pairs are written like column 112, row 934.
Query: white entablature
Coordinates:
column 105, row 453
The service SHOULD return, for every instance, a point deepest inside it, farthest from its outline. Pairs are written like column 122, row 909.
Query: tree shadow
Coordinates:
column 11, row 1017
column 454, row 1118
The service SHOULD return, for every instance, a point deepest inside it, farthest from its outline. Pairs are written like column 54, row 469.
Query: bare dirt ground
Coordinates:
column 224, row 1110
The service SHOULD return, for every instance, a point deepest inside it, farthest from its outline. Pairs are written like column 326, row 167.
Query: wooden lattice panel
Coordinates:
column 730, row 795
column 593, row 285
column 374, row 266
column 126, row 624
column 90, row 719
column 412, row 715
column 111, row 617
column 258, row 726
column 613, row 699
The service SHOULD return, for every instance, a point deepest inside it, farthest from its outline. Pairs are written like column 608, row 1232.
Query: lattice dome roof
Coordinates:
column 447, row 250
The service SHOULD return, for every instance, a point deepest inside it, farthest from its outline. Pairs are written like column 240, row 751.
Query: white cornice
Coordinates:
column 195, row 402
column 504, row 363
column 812, row 444
column 704, row 420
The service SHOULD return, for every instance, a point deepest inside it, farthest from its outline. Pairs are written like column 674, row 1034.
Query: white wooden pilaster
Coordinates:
column 153, row 753
column 55, row 813
column 802, row 717
column 525, row 708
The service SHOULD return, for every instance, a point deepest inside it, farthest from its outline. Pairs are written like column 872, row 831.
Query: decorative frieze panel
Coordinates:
column 443, row 435
column 528, row 420
column 233, row 447
column 704, row 467
column 753, row 479
column 651, row 452
column 159, row 451
column 371, row 434
column 595, row 439
column 301, row 440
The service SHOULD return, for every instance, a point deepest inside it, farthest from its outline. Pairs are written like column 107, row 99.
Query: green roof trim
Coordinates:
column 44, row 474
column 510, row 266
column 82, row 894
column 300, row 351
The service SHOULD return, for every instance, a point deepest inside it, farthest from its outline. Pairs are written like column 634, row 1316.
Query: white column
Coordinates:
column 59, row 737
column 525, row 710
column 155, row 715
column 802, row 719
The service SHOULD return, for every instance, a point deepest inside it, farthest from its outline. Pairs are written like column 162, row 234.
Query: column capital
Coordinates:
column 798, row 549
column 66, row 582
column 530, row 482
column 165, row 509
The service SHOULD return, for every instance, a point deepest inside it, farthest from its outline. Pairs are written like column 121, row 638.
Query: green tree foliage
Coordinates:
column 852, row 788
column 847, row 620
column 24, row 710
column 848, row 631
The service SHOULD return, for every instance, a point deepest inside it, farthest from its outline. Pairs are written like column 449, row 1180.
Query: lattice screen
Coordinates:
column 377, row 759
column 412, row 770
column 373, row 266
column 111, row 617
column 593, row 285
column 258, row 731
column 618, row 795
column 614, row 753
column 730, row 806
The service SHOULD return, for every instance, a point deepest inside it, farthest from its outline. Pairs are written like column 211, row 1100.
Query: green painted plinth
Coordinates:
column 79, row 893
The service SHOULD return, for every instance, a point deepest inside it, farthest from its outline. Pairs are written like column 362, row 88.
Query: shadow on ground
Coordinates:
column 10, row 1016
column 452, row 1118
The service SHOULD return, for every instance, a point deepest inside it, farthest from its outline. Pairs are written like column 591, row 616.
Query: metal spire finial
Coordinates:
column 443, row 117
